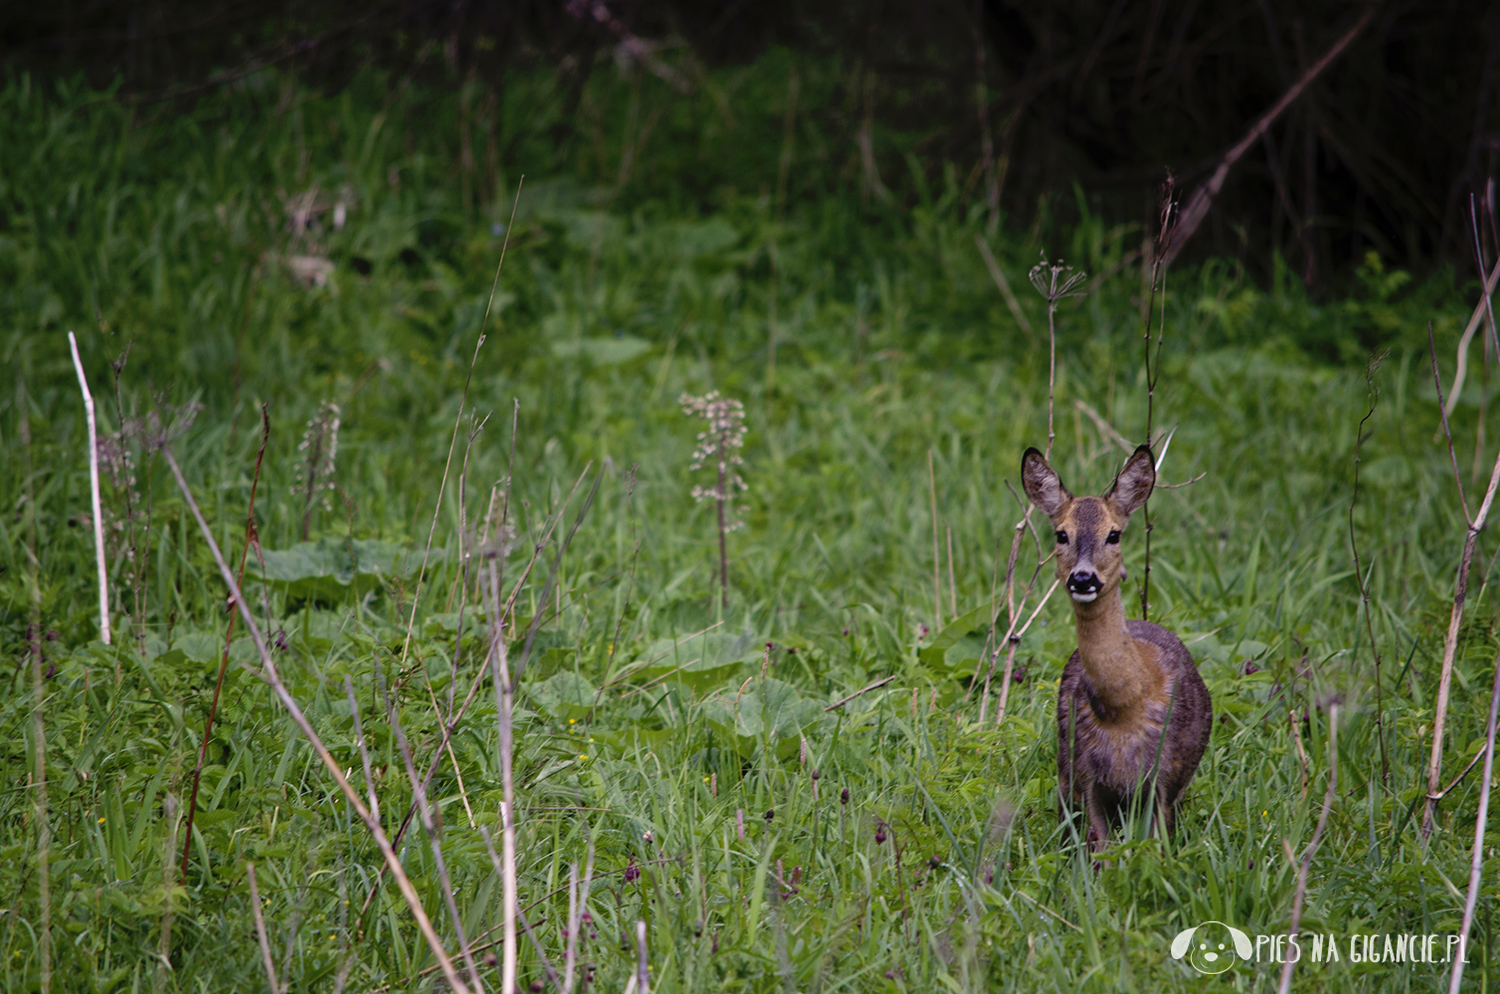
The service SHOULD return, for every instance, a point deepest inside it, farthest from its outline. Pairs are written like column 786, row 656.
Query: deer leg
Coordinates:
column 1164, row 819
column 1098, row 818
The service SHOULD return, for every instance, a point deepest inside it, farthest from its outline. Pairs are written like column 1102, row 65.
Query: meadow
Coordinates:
column 332, row 260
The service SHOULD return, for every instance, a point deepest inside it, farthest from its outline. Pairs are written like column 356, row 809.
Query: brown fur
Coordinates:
column 1128, row 680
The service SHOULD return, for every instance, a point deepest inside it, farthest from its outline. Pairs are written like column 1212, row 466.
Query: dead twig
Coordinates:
column 1476, row 861
column 1312, row 847
column 1202, row 198
column 863, row 690
column 269, row 674
column 1460, row 593
column 213, row 708
column 260, row 931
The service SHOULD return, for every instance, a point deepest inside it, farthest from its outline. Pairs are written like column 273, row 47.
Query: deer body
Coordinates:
column 1133, row 715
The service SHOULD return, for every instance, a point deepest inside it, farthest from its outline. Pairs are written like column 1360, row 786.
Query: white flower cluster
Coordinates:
column 718, row 444
column 320, row 445
column 1054, row 280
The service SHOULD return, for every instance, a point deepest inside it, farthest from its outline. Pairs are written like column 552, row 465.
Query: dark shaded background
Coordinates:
column 1382, row 153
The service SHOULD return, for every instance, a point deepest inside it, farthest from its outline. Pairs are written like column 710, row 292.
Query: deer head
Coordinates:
column 1088, row 529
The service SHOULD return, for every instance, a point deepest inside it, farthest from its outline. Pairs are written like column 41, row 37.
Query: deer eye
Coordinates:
column 1062, row 538
column 1113, row 538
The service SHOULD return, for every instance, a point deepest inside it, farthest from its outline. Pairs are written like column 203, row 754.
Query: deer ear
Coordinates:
column 1041, row 483
column 1135, row 481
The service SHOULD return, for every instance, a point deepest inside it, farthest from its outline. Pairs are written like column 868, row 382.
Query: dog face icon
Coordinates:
column 1212, row 946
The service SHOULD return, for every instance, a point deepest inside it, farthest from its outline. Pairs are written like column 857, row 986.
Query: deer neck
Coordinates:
column 1121, row 678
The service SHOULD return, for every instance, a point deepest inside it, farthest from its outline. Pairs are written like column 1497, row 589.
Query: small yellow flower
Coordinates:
column 572, row 721
column 582, row 756
column 101, row 821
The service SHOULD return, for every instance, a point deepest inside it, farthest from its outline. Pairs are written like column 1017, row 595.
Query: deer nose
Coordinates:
column 1084, row 582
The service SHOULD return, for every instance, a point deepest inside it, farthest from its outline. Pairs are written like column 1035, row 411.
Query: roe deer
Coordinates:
column 1133, row 714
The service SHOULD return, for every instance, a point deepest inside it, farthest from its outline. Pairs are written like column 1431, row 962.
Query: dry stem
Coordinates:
column 260, row 931
column 504, row 698
column 213, row 708
column 269, row 674
column 1312, row 847
column 1199, row 203
column 1476, row 862
column 1455, row 617
column 1475, row 319
column 88, row 410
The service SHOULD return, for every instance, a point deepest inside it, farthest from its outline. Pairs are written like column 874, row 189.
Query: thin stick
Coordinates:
column 269, row 674
column 1458, row 779
column 504, row 698
column 1051, row 371
column 1291, row 716
column 364, row 749
column 1202, row 198
column 1455, row 616
column 863, row 690
column 1480, row 310
column 1159, row 266
column 88, row 410
column 419, row 795
column 1010, row 621
column 1010, row 655
column 937, row 560
column 452, row 726
column 213, row 708
column 1312, row 847
column 1476, row 863
column 260, row 931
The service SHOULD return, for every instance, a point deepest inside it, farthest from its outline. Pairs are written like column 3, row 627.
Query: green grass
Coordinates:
column 166, row 231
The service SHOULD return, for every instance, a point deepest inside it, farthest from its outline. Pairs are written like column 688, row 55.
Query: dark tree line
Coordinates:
column 1382, row 151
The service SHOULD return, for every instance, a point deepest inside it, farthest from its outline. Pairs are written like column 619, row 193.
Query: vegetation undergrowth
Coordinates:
column 327, row 257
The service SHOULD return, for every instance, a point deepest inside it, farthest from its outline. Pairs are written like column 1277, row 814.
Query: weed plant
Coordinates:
column 770, row 843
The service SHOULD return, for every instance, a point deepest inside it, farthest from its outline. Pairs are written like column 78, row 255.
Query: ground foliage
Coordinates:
column 206, row 246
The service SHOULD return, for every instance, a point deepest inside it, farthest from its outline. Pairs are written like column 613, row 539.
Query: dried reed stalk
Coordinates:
column 1475, row 320
column 272, row 677
column 213, row 708
column 1476, row 860
column 1202, row 198
column 88, row 410
column 1013, row 639
column 504, row 699
column 266, row 960
column 1312, row 847
column 1460, row 593
column 419, row 794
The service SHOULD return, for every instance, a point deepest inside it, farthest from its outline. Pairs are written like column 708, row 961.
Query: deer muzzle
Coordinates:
column 1084, row 585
